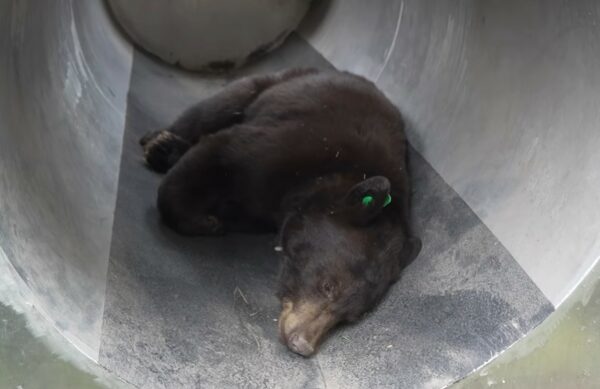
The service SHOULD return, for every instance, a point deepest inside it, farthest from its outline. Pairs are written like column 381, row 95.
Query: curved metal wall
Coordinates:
column 64, row 75
column 501, row 97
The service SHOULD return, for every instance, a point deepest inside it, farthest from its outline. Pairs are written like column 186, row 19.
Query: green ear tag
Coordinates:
column 388, row 200
column 367, row 200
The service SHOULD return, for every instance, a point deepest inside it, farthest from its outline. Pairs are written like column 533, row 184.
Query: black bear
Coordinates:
column 319, row 156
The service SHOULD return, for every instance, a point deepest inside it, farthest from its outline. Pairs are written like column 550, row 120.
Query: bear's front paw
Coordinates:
column 162, row 149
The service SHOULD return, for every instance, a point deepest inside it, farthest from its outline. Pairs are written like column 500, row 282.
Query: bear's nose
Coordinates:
column 299, row 345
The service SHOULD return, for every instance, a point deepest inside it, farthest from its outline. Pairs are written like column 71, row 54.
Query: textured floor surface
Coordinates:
column 200, row 312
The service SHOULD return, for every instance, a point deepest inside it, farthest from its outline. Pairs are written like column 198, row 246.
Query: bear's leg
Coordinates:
column 190, row 193
column 162, row 149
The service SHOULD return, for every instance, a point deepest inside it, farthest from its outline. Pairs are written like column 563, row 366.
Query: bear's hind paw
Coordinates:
column 162, row 149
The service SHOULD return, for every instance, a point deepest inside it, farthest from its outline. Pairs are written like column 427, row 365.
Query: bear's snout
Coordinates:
column 302, row 325
column 298, row 344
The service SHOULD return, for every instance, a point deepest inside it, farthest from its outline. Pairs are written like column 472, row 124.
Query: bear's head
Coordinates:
column 340, row 257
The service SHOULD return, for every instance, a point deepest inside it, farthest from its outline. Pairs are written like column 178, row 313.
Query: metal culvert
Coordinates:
column 501, row 100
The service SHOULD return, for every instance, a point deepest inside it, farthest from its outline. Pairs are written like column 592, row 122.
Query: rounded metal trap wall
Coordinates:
column 501, row 101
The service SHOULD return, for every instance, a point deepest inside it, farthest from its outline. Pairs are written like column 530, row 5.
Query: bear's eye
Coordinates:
column 328, row 289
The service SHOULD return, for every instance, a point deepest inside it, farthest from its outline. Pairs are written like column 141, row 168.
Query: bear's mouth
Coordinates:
column 303, row 324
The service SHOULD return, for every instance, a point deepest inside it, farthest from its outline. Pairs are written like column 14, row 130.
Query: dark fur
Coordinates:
column 296, row 151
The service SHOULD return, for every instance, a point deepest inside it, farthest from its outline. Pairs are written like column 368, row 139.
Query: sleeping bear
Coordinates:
column 319, row 157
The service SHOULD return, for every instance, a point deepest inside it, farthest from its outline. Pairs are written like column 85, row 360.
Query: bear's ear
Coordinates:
column 365, row 200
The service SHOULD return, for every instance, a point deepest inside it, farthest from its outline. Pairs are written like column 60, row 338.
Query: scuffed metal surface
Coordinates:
column 501, row 99
column 63, row 81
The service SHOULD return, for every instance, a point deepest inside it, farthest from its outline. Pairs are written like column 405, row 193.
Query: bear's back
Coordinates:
column 330, row 111
column 342, row 100
column 317, row 125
